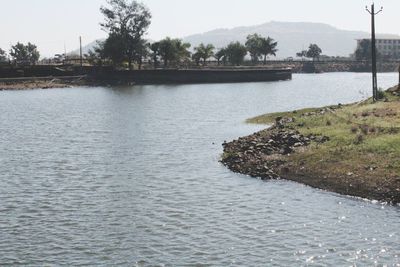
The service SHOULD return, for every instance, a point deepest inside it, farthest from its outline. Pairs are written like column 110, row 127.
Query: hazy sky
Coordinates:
column 51, row 23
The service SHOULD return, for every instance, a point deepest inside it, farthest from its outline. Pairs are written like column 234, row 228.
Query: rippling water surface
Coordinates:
column 130, row 176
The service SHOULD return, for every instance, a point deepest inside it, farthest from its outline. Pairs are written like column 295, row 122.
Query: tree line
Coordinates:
column 314, row 52
column 20, row 53
column 126, row 22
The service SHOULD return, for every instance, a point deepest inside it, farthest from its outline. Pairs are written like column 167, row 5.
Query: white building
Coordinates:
column 386, row 47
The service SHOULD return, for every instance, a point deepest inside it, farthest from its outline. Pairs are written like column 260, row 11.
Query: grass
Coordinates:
column 363, row 147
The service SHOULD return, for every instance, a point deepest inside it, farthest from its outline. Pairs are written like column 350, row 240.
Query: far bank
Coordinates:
column 107, row 75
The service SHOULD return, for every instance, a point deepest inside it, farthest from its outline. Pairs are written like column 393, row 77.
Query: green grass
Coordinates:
column 361, row 134
column 270, row 118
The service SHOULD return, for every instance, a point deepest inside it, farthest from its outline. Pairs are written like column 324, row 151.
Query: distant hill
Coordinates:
column 86, row 48
column 292, row 37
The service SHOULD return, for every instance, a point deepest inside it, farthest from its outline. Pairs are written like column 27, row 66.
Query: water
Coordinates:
column 130, row 176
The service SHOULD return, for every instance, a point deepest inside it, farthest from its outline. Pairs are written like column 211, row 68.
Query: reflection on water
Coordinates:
column 130, row 176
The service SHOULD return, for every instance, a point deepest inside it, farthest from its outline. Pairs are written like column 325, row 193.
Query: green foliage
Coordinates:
column 172, row 50
column 253, row 45
column 25, row 54
column 363, row 51
column 3, row 56
column 126, row 22
column 141, row 51
column 313, row 51
column 221, row 55
column 196, row 57
column 381, row 94
column 235, row 53
column 114, row 48
column 259, row 46
column 268, row 47
column 204, row 52
column 302, row 53
column 96, row 55
column 155, row 53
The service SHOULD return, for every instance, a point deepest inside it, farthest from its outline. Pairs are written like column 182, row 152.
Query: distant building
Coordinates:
column 386, row 47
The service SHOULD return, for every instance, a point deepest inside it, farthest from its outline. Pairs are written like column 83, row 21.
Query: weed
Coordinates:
column 359, row 139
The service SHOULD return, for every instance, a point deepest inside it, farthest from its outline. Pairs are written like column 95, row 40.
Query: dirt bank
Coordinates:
column 41, row 83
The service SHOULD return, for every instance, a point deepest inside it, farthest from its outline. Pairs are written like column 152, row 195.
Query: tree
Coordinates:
column 268, row 47
column 142, row 52
column 254, row 46
column 155, row 53
column 3, row 56
column 182, row 50
column 313, row 51
column 196, row 57
column 96, row 56
column 220, row 55
column 302, row 53
column 126, row 21
column 235, row 53
column 26, row 54
column 173, row 50
column 364, row 51
column 167, row 50
column 204, row 51
column 114, row 49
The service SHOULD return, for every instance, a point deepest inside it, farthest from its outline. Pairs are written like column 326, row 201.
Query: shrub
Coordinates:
column 364, row 129
column 381, row 94
column 372, row 130
column 359, row 139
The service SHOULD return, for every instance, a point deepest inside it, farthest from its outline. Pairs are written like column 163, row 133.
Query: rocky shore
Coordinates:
column 40, row 83
column 319, row 148
column 263, row 154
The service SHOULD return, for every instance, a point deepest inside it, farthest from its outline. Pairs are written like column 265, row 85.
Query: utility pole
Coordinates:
column 65, row 54
column 80, row 51
column 373, row 48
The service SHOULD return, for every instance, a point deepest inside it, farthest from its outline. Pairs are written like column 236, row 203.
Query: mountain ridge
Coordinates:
column 292, row 37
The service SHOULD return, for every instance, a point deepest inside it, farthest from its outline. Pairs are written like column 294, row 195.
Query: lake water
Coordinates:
column 130, row 176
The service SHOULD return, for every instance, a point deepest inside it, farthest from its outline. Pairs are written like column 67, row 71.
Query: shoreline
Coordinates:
column 34, row 83
column 36, row 76
column 123, row 78
column 347, row 149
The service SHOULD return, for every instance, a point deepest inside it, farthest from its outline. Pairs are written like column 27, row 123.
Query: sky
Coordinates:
column 55, row 24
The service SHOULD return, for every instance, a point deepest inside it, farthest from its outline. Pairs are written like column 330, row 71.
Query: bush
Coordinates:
column 364, row 129
column 354, row 129
column 381, row 94
column 359, row 139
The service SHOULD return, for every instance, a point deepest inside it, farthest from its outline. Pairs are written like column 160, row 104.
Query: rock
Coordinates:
column 285, row 150
column 247, row 155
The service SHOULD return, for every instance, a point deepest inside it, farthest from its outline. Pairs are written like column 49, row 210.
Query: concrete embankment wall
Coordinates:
column 192, row 76
column 35, row 71
column 159, row 76
column 344, row 66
